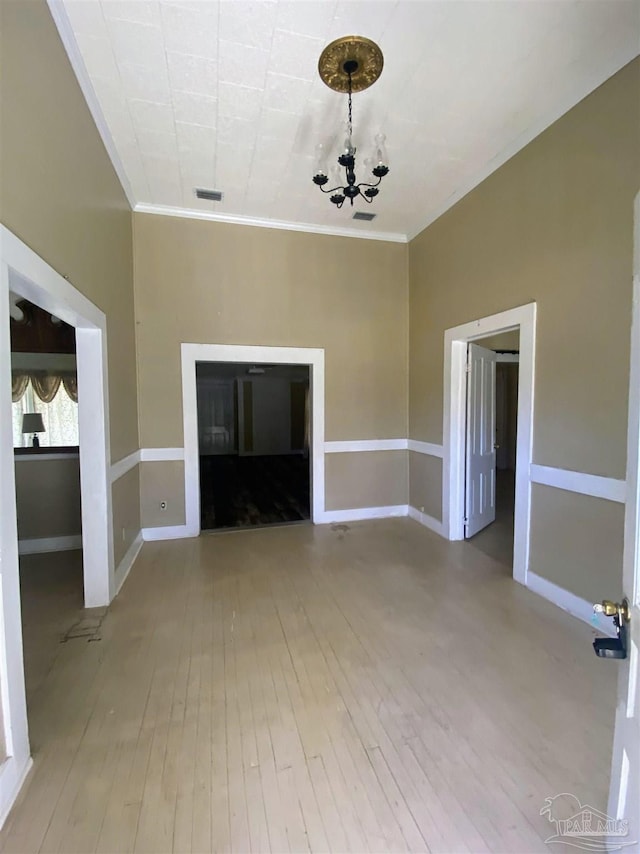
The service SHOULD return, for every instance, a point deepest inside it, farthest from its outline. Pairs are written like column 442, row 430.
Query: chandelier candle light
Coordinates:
column 351, row 64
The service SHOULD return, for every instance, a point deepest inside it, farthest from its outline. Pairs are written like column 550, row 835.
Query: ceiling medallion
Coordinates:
column 348, row 65
column 361, row 55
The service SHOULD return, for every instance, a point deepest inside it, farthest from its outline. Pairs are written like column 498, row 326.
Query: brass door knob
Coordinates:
column 612, row 609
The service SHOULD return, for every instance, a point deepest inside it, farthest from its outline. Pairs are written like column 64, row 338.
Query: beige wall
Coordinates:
column 61, row 196
column 425, row 484
column 162, row 481
column 207, row 282
column 48, row 498
column 576, row 542
column 553, row 225
column 126, row 512
column 366, row 479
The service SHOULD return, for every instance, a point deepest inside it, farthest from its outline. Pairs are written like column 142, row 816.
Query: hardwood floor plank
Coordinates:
column 308, row 689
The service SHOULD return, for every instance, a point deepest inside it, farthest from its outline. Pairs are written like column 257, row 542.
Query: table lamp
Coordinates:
column 32, row 423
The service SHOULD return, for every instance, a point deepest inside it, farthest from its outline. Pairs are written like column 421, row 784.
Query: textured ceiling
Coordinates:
column 226, row 95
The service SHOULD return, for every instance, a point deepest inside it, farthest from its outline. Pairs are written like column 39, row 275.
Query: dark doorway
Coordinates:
column 253, row 433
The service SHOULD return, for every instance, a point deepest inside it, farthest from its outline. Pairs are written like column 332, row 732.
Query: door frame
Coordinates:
column 23, row 272
column 454, row 425
column 311, row 357
column 628, row 693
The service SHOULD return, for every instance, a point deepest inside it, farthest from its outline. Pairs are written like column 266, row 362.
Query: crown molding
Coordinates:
column 522, row 141
column 237, row 219
column 59, row 15
column 65, row 31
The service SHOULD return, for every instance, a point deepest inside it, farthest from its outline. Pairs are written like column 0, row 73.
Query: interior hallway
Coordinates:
column 243, row 491
column 496, row 540
column 360, row 687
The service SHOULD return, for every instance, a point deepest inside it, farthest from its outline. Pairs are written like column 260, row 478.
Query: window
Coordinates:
column 60, row 419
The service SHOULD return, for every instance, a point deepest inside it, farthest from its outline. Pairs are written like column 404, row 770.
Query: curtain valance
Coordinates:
column 44, row 384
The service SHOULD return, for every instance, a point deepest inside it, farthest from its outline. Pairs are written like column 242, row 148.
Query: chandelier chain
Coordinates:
column 350, row 118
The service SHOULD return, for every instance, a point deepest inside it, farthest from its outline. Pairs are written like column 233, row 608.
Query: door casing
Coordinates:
column 249, row 354
column 454, row 425
column 23, row 272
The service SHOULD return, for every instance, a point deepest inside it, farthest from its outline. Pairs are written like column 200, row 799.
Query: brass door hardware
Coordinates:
column 610, row 609
column 613, row 647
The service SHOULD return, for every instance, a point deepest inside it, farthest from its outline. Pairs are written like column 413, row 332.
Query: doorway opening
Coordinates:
column 44, row 402
column 248, row 355
column 253, row 441
column 24, row 275
column 454, row 484
column 491, row 442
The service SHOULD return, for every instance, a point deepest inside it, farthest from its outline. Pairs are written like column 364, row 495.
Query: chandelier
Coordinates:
column 348, row 65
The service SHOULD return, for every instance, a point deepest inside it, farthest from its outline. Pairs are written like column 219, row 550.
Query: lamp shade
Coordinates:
column 32, row 423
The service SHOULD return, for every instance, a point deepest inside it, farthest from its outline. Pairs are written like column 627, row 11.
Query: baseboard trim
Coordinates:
column 50, row 544
column 168, row 532
column 12, row 780
column 361, row 513
column 124, row 567
column 570, row 603
column 429, row 522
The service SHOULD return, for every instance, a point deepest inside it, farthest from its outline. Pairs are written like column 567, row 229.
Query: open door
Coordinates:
column 480, row 477
column 624, row 795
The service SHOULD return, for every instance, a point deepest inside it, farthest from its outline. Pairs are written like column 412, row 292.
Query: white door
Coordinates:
column 624, row 796
column 480, row 480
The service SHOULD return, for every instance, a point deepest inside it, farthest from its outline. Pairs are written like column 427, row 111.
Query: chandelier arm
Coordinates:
column 330, row 191
column 365, row 184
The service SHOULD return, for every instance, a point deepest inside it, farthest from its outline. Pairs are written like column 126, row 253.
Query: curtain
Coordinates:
column 45, row 386
column 19, row 383
column 60, row 419
column 70, row 383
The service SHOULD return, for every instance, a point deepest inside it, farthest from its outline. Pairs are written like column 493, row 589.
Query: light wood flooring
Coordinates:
column 344, row 688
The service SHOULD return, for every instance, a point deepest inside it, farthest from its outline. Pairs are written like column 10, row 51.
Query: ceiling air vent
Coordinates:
column 364, row 216
column 210, row 195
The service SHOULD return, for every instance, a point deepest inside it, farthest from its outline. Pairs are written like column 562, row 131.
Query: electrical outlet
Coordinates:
column 124, row 534
column 422, row 509
column 163, row 505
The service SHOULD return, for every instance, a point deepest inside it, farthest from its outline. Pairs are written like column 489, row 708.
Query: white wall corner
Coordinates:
column 427, row 521
column 168, row 532
column 12, row 777
column 430, row 449
column 124, row 567
column 121, row 467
